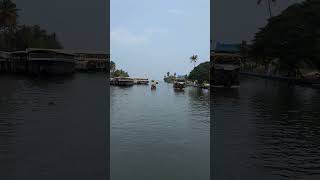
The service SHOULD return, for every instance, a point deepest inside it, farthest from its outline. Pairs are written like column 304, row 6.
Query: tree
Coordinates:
column 168, row 74
column 269, row 5
column 201, row 73
column 8, row 15
column 293, row 37
column 112, row 67
column 194, row 59
column 120, row 73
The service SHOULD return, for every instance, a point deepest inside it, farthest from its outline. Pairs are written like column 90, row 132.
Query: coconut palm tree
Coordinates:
column 269, row 5
column 194, row 59
column 8, row 15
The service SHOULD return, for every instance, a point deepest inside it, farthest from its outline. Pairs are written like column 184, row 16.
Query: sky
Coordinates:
column 149, row 37
column 153, row 37
column 233, row 21
column 79, row 24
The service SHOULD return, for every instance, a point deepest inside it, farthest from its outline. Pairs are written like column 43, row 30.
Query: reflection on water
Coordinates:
column 47, row 129
column 161, row 134
column 266, row 130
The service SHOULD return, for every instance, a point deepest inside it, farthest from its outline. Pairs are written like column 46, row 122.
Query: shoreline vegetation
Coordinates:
column 114, row 72
column 15, row 36
column 288, row 46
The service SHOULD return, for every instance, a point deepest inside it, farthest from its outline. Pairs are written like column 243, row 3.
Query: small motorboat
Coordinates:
column 153, row 87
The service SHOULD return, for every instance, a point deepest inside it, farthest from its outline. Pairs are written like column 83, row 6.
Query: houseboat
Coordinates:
column 18, row 62
column 225, row 70
column 121, row 81
column 51, row 62
column 179, row 83
column 4, row 62
column 141, row 81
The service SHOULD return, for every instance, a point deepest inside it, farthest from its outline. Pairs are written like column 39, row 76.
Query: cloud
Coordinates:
column 123, row 36
column 176, row 11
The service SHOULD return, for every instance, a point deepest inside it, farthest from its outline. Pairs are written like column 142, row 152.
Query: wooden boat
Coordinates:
column 225, row 70
column 141, row 81
column 179, row 83
column 153, row 87
column 48, row 61
column 121, row 81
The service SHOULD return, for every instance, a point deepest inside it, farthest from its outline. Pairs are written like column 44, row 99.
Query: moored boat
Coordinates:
column 141, row 81
column 121, row 81
column 225, row 70
column 179, row 83
column 47, row 61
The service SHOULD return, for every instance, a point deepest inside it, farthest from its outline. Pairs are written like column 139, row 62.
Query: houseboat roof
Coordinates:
column 4, row 54
column 75, row 51
column 18, row 53
column 60, row 51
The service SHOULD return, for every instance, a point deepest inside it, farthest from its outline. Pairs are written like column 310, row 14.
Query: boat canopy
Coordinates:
column 226, row 58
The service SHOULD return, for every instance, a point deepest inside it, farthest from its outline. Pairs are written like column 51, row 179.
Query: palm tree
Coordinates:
column 269, row 5
column 8, row 15
column 194, row 59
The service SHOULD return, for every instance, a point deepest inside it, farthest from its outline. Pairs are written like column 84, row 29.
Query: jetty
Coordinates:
column 53, row 61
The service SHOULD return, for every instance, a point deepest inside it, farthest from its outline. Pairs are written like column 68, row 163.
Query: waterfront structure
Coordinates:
column 225, row 61
column 4, row 62
column 91, row 60
column 18, row 61
column 49, row 61
column 53, row 61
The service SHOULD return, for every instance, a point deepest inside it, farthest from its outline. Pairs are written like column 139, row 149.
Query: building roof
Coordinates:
column 72, row 51
column 227, row 48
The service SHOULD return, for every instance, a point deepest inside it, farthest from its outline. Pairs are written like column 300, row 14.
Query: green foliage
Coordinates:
column 8, row 15
column 194, row 59
column 20, row 37
column 120, row 73
column 293, row 37
column 201, row 73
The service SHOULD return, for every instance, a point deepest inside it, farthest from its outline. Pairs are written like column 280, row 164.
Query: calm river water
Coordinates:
column 56, row 129
column 266, row 130
column 161, row 134
column 53, row 128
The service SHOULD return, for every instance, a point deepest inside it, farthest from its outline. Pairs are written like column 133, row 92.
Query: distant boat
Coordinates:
column 121, row 81
column 179, row 83
column 153, row 87
column 141, row 81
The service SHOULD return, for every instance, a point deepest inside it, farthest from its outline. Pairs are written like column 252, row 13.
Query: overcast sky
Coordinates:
column 149, row 36
column 233, row 21
column 79, row 24
column 152, row 37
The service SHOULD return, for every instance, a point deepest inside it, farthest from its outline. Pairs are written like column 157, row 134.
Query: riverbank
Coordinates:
column 302, row 82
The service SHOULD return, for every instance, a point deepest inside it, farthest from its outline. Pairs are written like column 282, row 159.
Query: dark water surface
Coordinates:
column 53, row 128
column 160, row 135
column 56, row 129
column 266, row 130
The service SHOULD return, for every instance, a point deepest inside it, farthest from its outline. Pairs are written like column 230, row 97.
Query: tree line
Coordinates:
column 15, row 36
column 291, row 40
